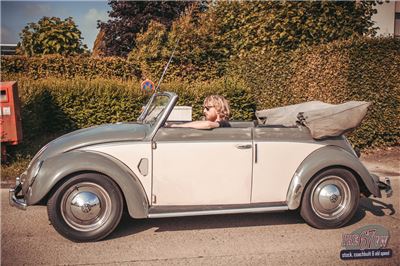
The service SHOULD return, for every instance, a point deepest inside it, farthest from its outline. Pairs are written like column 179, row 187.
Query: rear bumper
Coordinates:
column 14, row 198
column 385, row 187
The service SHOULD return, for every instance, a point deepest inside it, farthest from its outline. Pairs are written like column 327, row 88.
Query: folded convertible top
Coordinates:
column 322, row 119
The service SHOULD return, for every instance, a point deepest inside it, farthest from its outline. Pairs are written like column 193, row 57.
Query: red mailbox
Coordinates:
column 10, row 122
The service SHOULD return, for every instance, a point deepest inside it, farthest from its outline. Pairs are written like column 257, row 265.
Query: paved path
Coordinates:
column 246, row 239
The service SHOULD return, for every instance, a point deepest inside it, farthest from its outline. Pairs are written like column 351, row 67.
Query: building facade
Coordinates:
column 388, row 19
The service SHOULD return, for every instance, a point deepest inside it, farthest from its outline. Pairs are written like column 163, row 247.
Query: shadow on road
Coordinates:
column 129, row 226
column 375, row 207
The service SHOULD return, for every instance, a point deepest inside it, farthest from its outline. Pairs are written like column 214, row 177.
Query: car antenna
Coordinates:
column 166, row 67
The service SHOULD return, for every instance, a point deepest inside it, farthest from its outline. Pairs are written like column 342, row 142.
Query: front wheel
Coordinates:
column 86, row 207
column 330, row 199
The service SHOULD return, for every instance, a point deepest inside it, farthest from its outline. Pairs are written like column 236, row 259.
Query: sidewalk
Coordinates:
column 383, row 162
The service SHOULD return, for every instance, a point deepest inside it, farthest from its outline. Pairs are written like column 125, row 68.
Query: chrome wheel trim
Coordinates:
column 86, row 206
column 330, row 198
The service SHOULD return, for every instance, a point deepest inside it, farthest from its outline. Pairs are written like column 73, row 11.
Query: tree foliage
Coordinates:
column 210, row 39
column 51, row 35
column 99, row 45
column 128, row 18
column 198, row 52
column 263, row 26
column 150, row 51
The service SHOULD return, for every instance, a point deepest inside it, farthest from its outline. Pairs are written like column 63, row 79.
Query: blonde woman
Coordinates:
column 216, row 111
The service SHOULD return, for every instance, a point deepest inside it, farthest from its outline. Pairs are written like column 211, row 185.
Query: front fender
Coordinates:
column 328, row 156
column 56, row 168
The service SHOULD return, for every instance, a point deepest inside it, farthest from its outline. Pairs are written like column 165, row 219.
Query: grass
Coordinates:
column 19, row 156
column 10, row 171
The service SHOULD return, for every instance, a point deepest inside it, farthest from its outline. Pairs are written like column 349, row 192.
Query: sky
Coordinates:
column 15, row 15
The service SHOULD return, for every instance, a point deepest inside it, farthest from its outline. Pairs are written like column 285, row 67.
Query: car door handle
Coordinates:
column 243, row 147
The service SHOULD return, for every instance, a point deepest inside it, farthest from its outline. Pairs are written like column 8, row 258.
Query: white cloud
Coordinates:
column 34, row 9
column 93, row 15
column 7, row 37
column 89, row 23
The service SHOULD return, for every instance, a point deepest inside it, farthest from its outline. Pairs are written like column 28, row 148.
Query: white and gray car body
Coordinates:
column 167, row 172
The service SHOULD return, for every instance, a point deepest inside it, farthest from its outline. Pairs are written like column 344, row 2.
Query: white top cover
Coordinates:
column 323, row 119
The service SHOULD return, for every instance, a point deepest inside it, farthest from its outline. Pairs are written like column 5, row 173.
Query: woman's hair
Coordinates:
column 220, row 104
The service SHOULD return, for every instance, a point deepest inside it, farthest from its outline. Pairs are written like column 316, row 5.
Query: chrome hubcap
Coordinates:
column 86, row 206
column 330, row 198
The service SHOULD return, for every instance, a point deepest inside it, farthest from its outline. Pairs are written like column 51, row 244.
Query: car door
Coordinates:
column 279, row 152
column 202, row 167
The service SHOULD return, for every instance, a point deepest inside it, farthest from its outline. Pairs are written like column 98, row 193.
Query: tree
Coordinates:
column 209, row 41
column 99, row 45
column 128, row 18
column 284, row 25
column 150, row 51
column 198, row 52
column 51, row 36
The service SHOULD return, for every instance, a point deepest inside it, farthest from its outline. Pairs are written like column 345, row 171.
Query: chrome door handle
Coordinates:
column 243, row 147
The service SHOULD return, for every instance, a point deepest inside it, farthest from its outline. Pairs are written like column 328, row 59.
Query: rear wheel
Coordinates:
column 86, row 207
column 330, row 199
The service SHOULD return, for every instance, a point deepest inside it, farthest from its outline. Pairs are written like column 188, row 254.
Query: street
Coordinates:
column 251, row 239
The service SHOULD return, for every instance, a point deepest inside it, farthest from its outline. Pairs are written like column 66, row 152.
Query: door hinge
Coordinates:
column 154, row 145
column 154, row 199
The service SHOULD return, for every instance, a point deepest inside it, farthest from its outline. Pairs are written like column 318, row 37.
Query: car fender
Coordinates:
column 325, row 157
column 56, row 168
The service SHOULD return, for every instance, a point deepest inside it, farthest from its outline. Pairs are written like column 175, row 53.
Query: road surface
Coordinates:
column 246, row 239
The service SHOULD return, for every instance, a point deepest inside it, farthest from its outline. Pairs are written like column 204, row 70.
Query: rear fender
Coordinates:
column 327, row 157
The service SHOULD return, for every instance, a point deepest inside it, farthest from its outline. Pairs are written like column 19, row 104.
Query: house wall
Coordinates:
column 397, row 19
column 385, row 18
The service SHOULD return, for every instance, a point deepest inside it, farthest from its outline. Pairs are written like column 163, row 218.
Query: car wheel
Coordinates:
column 330, row 199
column 86, row 207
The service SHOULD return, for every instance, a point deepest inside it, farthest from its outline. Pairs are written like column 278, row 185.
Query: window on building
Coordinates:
column 397, row 24
column 397, row 19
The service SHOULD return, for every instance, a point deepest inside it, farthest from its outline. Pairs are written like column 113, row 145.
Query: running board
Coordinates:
column 162, row 212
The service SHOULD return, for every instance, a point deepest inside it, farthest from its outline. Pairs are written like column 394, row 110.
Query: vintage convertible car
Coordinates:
column 89, row 177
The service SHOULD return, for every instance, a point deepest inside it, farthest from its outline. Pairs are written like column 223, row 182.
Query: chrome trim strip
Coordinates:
column 215, row 212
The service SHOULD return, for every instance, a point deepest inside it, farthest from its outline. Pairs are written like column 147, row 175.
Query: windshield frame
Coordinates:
column 173, row 98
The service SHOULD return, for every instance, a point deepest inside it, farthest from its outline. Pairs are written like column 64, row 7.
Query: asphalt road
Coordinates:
column 246, row 239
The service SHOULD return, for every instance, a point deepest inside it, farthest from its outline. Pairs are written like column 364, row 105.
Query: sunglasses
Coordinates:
column 208, row 107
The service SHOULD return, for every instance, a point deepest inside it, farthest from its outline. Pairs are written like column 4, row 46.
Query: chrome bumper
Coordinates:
column 386, row 187
column 16, row 200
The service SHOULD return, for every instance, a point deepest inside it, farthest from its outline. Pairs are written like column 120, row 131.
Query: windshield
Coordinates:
column 155, row 108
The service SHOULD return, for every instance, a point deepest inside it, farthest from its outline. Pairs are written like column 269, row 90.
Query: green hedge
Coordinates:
column 69, row 67
column 361, row 69
column 51, row 107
